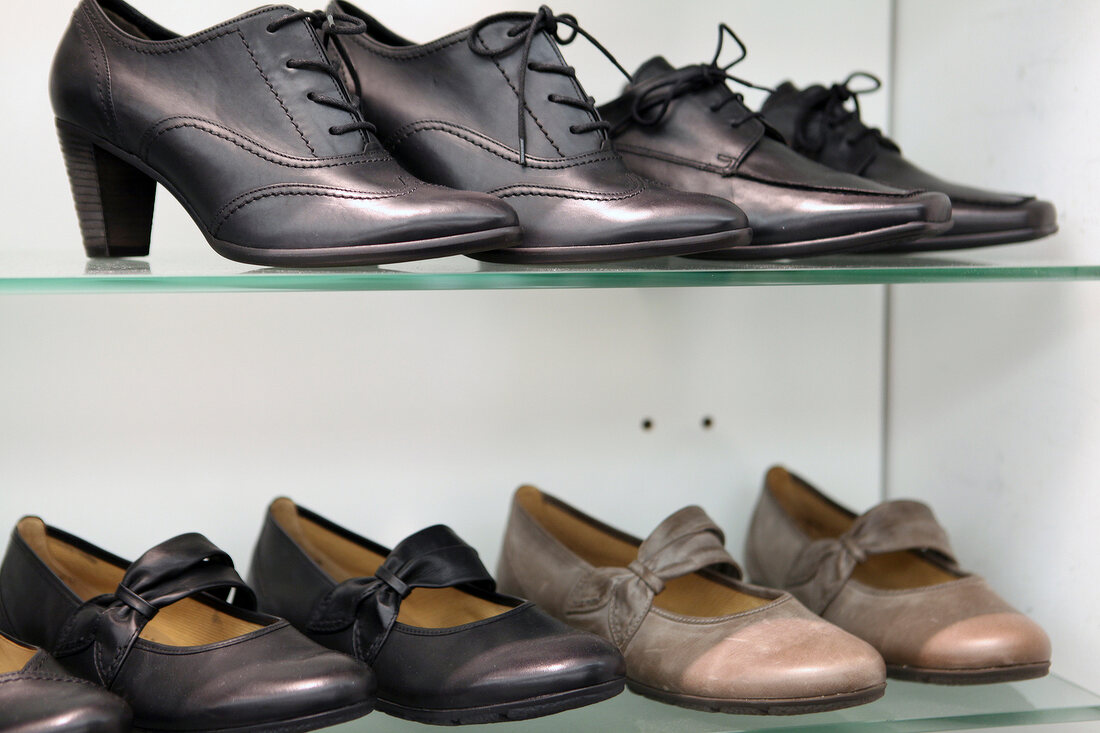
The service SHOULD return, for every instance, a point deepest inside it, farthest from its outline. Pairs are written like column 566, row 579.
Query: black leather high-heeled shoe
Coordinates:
column 159, row 633
column 38, row 696
column 249, row 125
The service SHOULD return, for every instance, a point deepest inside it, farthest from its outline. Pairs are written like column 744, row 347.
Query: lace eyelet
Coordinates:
column 271, row 30
column 311, row 96
column 289, row 65
column 573, row 129
column 332, row 131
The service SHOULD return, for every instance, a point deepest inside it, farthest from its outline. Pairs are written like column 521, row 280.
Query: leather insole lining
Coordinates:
column 343, row 559
column 692, row 595
column 821, row 519
column 186, row 623
column 13, row 657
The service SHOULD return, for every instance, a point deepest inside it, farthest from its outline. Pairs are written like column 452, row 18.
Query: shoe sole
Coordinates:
column 587, row 254
column 973, row 241
column 776, row 706
column 859, row 242
column 535, row 707
column 984, row 676
column 295, row 725
column 348, row 256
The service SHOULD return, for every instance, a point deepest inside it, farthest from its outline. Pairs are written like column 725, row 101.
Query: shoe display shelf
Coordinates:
column 906, row 707
column 27, row 271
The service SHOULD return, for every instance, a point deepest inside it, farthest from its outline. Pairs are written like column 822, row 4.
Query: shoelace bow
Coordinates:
column 652, row 106
column 832, row 104
column 326, row 23
column 522, row 34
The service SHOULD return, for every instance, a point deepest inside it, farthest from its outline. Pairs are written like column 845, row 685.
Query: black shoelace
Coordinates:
column 831, row 105
column 651, row 107
column 326, row 23
column 522, row 34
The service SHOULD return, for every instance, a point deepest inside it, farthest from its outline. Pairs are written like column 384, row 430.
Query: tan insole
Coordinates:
column 342, row 559
column 186, row 623
column 822, row 520
column 13, row 657
column 691, row 595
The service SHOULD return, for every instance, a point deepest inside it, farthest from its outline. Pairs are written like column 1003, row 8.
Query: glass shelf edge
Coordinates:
column 581, row 279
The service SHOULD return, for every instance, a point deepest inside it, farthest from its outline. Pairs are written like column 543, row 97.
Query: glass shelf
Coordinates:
column 906, row 708
column 197, row 269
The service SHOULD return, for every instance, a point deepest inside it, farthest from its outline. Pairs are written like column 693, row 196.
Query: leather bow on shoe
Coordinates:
column 432, row 558
column 685, row 542
column 182, row 567
column 824, row 566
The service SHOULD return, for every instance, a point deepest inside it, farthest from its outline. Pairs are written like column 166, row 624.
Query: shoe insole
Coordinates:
column 186, row 623
column 693, row 595
column 13, row 657
column 343, row 559
column 820, row 518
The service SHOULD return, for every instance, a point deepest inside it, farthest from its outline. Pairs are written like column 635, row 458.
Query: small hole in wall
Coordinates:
column 708, row 422
column 647, row 424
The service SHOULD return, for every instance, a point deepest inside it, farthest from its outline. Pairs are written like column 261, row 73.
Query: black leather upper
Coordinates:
column 237, row 134
column 448, row 111
column 518, row 654
column 43, row 698
column 271, row 675
column 686, row 128
column 822, row 124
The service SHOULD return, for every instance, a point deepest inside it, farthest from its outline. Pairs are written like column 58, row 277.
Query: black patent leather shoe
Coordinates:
column 820, row 123
column 38, row 696
column 249, row 125
column 495, row 108
column 160, row 634
column 686, row 128
column 446, row 648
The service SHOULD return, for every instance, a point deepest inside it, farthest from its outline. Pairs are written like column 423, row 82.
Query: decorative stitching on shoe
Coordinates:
column 243, row 142
column 86, row 34
column 287, row 189
column 527, row 107
column 20, row 677
column 483, row 141
column 186, row 43
column 277, row 97
column 643, row 152
column 567, row 193
column 422, row 51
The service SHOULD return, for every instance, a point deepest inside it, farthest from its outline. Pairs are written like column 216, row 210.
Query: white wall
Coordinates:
column 995, row 399
column 393, row 410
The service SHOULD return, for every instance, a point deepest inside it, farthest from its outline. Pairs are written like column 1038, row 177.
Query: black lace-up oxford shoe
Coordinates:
column 159, row 633
column 686, row 128
column 446, row 647
column 249, row 126
column 495, row 108
column 38, row 696
column 820, row 123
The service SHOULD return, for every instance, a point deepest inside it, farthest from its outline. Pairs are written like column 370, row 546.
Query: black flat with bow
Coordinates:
column 161, row 634
column 445, row 646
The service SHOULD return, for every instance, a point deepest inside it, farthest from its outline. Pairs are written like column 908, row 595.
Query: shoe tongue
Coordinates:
column 656, row 66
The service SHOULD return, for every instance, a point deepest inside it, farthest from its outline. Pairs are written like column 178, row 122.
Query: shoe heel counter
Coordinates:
column 258, row 569
column 32, row 609
column 772, row 544
column 508, row 580
column 79, row 81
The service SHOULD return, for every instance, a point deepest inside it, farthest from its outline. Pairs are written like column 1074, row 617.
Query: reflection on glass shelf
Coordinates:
column 906, row 708
column 198, row 269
